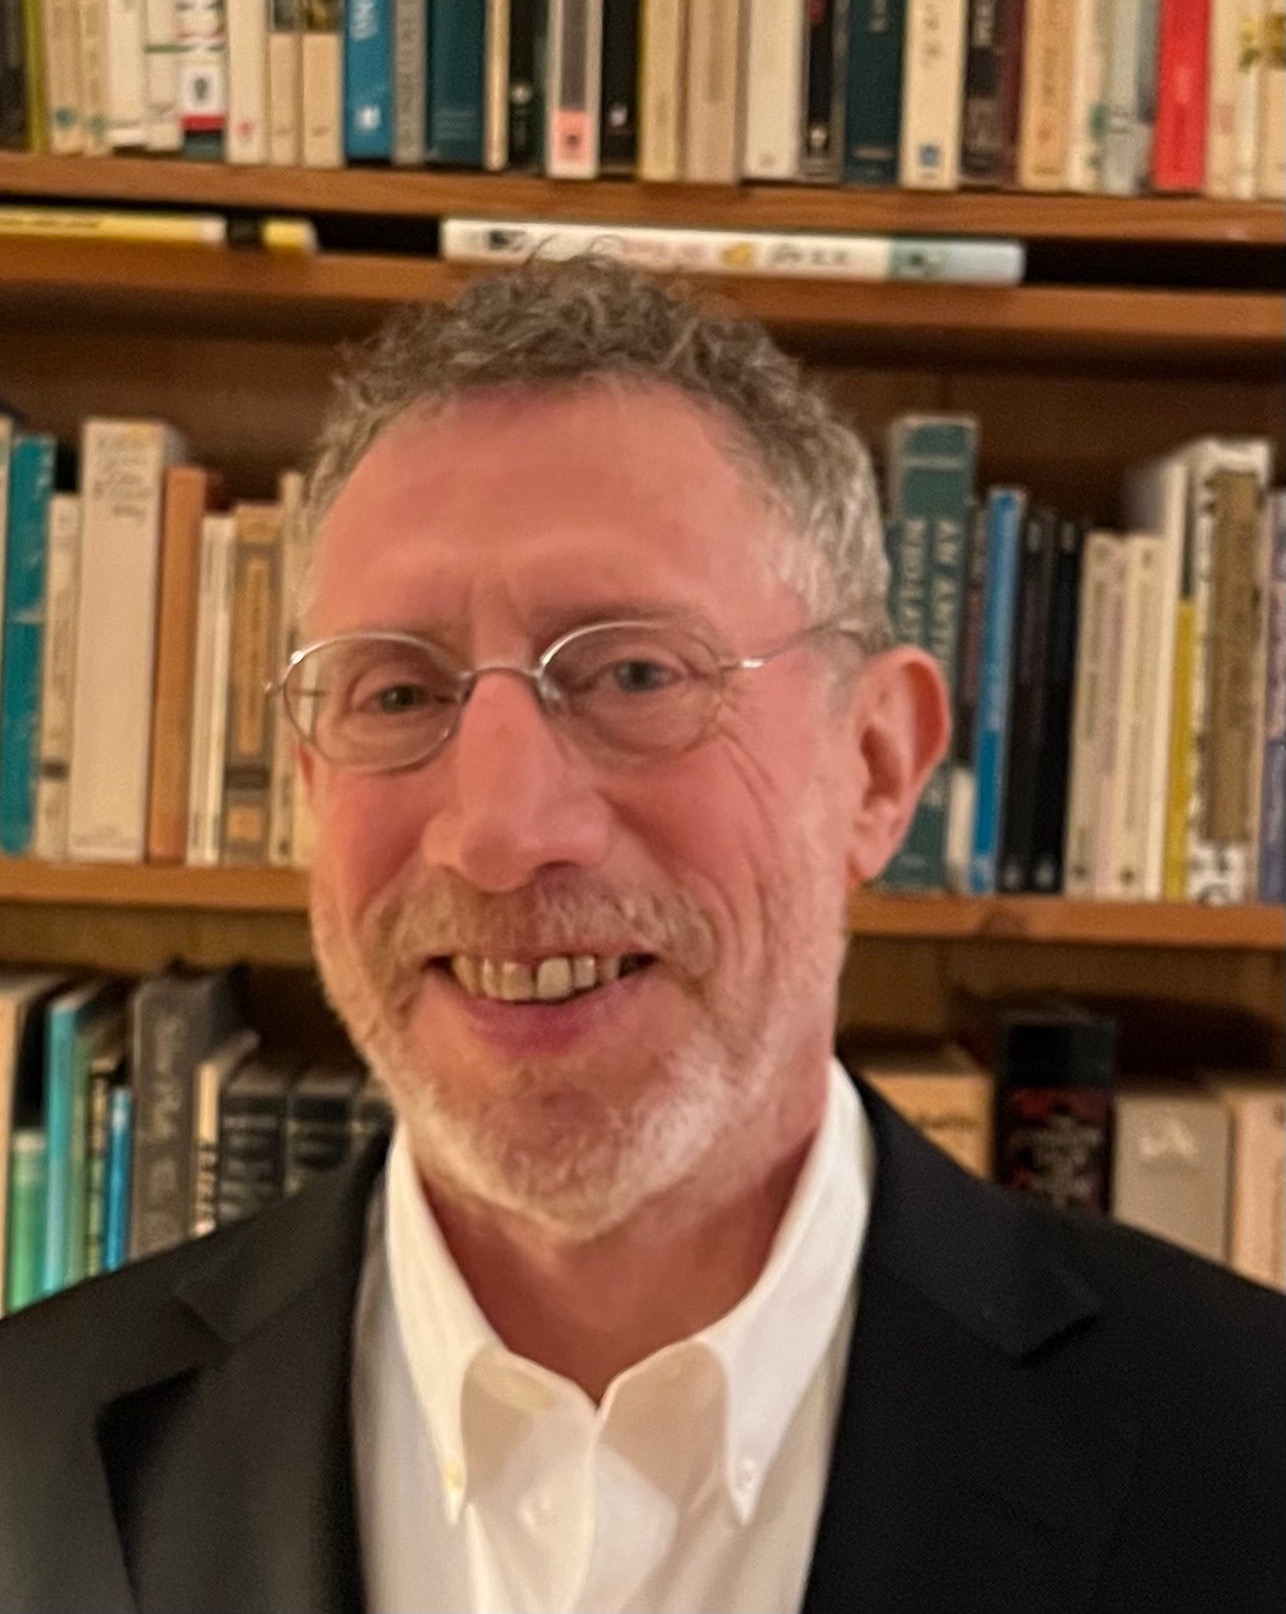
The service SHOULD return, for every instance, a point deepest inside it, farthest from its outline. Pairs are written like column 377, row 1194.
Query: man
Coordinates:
column 650, row 1307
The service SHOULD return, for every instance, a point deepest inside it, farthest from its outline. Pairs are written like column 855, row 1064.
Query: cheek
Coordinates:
column 368, row 828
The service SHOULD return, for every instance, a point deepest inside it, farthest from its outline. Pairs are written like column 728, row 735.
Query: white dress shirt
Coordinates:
column 487, row 1483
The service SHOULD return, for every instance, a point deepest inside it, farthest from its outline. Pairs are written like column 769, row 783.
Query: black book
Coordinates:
column 526, row 83
column 252, row 1137
column 319, row 1110
column 992, row 89
column 618, row 137
column 1053, row 766
column 1023, row 784
column 13, row 77
column 964, row 708
column 822, row 146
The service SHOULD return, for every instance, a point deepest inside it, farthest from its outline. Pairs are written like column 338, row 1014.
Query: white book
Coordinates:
column 1271, row 177
column 1257, row 1231
column 209, row 691
column 57, row 676
column 122, row 475
column 246, row 138
column 203, row 68
column 662, row 83
column 495, row 108
column 409, row 70
column 1234, row 29
column 1156, row 500
column 295, row 548
column 932, row 94
column 126, row 75
column 1087, row 107
column 711, row 144
column 92, row 39
column 285, row 69
column 161, row 64
column 773, row 84
column 1122, row 134
column 1134, row 784
column 573, row 88
column 322, row 95
column 1101, row 574
column 60, row 23
column 1048, row 60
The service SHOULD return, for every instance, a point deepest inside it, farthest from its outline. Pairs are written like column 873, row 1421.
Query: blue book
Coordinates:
column 120, row 1139
column 69, row 1047
column 873, row 113
column 31, row 486
column 1006, row 510
column 457, row 65
column 368, row 80
column 1272, row 813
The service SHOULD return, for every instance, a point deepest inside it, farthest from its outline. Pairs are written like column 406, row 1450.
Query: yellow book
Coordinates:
column 1182, row 762
column 33, row 47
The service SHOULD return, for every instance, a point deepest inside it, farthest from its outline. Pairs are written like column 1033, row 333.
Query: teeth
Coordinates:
column 490, row 982
column 608, row 969
column 517, row 983
column 584, row 971
column 551, row 981
column 554, row 979
column 465, row 970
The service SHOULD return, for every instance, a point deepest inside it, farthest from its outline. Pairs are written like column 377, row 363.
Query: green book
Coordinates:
column 25, row 1256
column 457, row 62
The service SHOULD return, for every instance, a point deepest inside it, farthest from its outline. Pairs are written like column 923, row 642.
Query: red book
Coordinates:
column 1179, row 144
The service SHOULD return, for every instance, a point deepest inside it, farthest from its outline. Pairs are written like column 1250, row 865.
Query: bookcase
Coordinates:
column 1072, row 377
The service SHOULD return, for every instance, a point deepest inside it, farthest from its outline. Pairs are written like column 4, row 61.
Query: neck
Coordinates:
column 589, row 1311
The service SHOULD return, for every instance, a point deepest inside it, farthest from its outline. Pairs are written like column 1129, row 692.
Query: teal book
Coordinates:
column 31, row 486
column 71, row 1033
column 368, row 80
column 24, row 1253
column 931, row 493
column 116, row 1191
column 1006, row 512
column 873, row 121
column 457, row 64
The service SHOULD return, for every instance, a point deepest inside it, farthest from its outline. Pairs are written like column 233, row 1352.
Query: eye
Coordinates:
column 397, row 686
column 641, row 676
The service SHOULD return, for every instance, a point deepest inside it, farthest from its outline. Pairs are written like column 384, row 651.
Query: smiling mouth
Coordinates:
column 553, row 979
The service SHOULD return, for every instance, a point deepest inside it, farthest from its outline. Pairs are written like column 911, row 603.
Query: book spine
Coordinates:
column 1179, row 149
column 368, row 80
column 164, row 124
column 662, row 81
column 163, row 1039
column 322, row 84
column 710, row 143
column 1148, row 62
column 1271, row 168
column 24, row 1255
column 1272, row 807
column 410, row 70
column 495, row 112
column 960, row 808
column 294, row 562
column 126, row 76
column 62, row 76
column 1108, row 724
column 619, row 133
column 36, row 121
column 932, row 95
column 122, row 465
column 6, row 457
column 202, row 694
column 96, row 1170
column 256, row 616
column 773, row 83
column 59, row 1081
column 987, row 147
column 1136, row 716
column 1234, row 27
column 1054, row 758
column 1005, row 509
column 1047, row 75
column 212, row 807
column 30, row 492
column 92, row 41
column 874, row 81
column 251, row 1148
column 1054, row 1144
column 1170, row 1168
column 1087, row 95
column 13, row 87
column 205, row 1151
column 120, row 1158
column 953, row 1111
column 1099, row 562
column 1026, row 700
column 313, row 1143
column 1250, row 80
column 247, row 127
column 526, row 83
column 285, row 66
column 574, row 85
column 57, row 679
column 203, row 78
column 1257, row 1232
column 1120, row 175
column 821, row 154
column 457, row 58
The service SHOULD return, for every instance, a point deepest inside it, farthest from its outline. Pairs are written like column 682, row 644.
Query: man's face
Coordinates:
column 718, row 875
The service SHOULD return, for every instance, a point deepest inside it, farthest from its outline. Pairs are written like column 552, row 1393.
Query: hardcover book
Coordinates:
column 932, row 95
column 57, row 676
column 410, row 82
column 711, row 144
column 251, row 713
column 943, row 1092
column 1257, row 1215
column 821, row 155
column 992, row 99
column 619, row 118
column 1047, row 84
column 1272, row 809
column 1102, row 578
column 368, row 80
column 319, row 1112
column 773, row 83
column 457, row 58
column 1006, row 508
column 874, row 81
column 1179, row 145
column 285, row 88
column 574, row 86
column 252, row 1137
column 31, row 484
column 1053, row 761
column 526, row 83
column 1170, row 1164
column 1023, row 784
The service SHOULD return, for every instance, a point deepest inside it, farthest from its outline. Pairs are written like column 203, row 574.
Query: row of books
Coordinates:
column 1031, row 1097
column 1081, row 95
column 143, row 621
column 134, row 1115
column 1118, row 696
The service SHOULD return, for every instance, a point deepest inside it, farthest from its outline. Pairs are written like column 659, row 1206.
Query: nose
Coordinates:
column 518, row 795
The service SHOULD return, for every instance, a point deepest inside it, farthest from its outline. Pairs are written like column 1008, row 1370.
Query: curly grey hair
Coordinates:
column 545, row 325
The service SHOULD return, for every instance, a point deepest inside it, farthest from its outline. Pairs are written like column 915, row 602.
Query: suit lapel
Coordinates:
column 965, row 1475
column 230, row 1468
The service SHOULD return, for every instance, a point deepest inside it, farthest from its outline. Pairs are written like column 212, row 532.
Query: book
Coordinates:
column 1053, row 757
column 209, row 691
column 31, row 482
column 13, row 95
column 1006, row 508
column 821, row 149
column 711, row 153
column 201, row 27
column 57, row 677
column 295, row 549
column 874, row 80
column 163, row 123
column 321, row 84
column 122, row 477
column 787, row 254
column 1179, row 144
column 61, row 31
column 251, row 714
column 1102, row 578
column 961, row 798
column 1232, row 100
column 992, row 100
column 368, row 80
column 246, row 133
column 1147, row 65
column 284, row 90
column 526, row 83
column 176, row 1019
column 23, row 994
column 108, row 1069
column 1170, row 1164
column 1087, row 94
column 1257, row 1216
column 26, row 1217
column 189, row 492
column 36, row 120
column 410, row 82
column 495, row 99
column 252, row 1136
column 119, row 1177
column 1122, row 136
column 1022, row 784
column 318, row 1134
column 662, row 84
column 1270, row 185
column 943, row 1092
column 1108, row 756
column 1046, row 102
column 574, row 83
column 618, row 138
column 932, row 95
column 213, row 1073
column 1271, row 882
column 126, row 75
column 8, row 426
column 773, row 82
column 1134, row 784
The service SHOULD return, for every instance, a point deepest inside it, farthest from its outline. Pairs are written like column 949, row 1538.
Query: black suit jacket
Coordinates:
column 1043, row 1414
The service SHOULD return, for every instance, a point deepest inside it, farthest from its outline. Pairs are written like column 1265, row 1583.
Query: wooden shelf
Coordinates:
column 873, row 914
column 424, row 193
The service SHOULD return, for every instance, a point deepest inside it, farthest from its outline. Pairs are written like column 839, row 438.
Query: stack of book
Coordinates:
column 1117, row 96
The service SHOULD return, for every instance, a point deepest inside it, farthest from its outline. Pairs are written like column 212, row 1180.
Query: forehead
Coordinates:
column 587, row 499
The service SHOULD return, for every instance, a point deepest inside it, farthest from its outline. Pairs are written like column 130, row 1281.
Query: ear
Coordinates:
column 901, row 717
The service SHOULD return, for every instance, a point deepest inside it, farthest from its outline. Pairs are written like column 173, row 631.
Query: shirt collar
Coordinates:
column 769, row 1346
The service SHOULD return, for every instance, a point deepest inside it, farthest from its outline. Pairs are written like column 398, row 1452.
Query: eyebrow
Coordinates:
column 552, row 623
